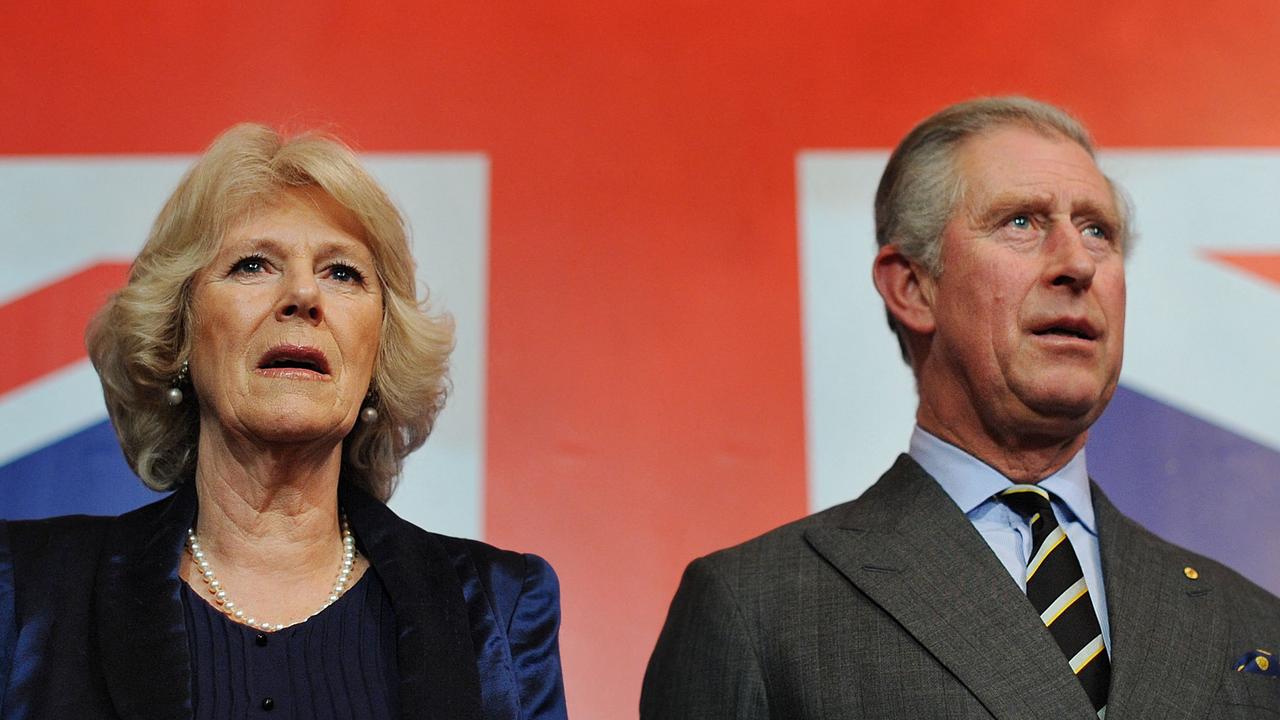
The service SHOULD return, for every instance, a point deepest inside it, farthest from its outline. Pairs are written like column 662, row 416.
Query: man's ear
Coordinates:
column 907, row 289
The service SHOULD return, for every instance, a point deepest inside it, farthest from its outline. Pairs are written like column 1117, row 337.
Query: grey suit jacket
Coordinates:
column 893, row 606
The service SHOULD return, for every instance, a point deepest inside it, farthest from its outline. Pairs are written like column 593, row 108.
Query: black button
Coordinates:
column 268, row 703
column 261, row 639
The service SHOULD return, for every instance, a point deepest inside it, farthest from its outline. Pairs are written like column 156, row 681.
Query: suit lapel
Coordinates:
column 140, row 631
column 437, row 662
column 1167, row 633
column 908, row 547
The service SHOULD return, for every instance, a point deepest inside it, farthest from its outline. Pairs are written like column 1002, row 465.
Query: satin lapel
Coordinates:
column 140, row 631
column 437, row 662
column 1167, row 634
column 908, row 547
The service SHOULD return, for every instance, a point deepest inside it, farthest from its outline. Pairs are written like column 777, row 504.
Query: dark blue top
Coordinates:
column 338, row 665
column 92, row 624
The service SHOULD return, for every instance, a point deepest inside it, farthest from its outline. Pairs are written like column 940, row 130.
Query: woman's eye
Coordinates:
column 345, row 273
column 249, row 265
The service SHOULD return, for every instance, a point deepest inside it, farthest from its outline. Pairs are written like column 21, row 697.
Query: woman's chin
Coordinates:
column 292, row 426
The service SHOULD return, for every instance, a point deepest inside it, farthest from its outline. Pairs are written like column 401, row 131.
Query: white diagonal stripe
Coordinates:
column 1102, row 714
column 1051, row 541
column 1086, row 654
column 1067, row 597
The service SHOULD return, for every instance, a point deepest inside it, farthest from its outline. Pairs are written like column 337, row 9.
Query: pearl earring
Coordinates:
column 369, row 413
column 173, row 396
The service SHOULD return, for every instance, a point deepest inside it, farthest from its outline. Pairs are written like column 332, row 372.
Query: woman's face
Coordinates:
column 287, row 323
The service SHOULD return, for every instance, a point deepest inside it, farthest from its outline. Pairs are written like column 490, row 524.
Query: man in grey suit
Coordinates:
column 984, row 575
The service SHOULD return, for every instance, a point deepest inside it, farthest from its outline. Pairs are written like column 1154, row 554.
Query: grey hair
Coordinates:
column 921, row 188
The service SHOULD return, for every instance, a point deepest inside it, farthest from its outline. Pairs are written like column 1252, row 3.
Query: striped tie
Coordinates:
column 1056, row 588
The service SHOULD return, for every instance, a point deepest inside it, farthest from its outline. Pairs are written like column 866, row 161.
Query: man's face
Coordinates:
column 1029, row 308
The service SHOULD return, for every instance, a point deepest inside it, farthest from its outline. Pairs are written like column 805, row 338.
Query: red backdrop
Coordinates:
column 643, row 219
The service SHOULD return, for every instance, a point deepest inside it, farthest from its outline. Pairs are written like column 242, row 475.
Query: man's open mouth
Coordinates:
column 1077, row 328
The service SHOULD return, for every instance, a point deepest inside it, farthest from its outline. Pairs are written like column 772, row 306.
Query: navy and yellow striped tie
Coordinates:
column 1056, row 588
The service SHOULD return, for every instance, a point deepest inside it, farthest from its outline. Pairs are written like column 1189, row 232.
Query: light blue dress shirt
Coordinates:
column 972, row 484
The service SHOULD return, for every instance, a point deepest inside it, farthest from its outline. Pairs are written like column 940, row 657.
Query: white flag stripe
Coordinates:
column 41, row 413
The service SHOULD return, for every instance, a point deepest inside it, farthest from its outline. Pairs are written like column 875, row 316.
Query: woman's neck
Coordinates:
column 269, row 522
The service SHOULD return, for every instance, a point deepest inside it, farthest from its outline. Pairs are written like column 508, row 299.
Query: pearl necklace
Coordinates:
column 238, row 613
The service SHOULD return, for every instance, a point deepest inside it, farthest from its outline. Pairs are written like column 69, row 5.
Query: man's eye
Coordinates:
column 1021, row 222
column 345, row 273
column 1095, row 231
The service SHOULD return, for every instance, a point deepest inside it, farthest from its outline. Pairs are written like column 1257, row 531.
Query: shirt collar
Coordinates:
column 970, row 482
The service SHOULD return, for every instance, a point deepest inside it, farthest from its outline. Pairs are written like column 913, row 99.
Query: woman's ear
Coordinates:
column 906, row 288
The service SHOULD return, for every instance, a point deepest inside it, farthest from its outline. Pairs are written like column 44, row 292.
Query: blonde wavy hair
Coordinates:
column 139, row 339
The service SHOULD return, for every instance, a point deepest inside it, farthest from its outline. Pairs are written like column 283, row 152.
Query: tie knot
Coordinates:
column 1027, row 500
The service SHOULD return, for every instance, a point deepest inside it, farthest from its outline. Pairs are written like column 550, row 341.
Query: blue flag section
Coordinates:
column 1192, row 482
column 83, row 473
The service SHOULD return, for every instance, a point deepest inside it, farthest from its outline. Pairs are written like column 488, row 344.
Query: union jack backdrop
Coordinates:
column 652, row 225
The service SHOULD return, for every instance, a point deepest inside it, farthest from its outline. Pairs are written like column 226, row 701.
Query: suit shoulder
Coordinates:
column 1238, row 590
column 507, row 576
column 486, row 556
column 1251, row 610
column 498, row 566
column 1247, row 598
column 878, row 507
column 777, row 548
column 790, row 534
column 55, row 539
column 47, row 563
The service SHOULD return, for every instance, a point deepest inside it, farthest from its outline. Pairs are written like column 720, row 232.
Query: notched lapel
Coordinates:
column 912, row 552
column 140, row 631
column 437, row 662
column 1167, row 633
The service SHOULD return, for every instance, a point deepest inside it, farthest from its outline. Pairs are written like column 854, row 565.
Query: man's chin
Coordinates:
column 1068, row 396
column 1071, row 414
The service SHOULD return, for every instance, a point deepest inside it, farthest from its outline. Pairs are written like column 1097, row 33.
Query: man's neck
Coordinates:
column 1021, row 459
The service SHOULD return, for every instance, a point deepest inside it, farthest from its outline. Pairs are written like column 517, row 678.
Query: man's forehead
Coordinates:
column 1019, row 164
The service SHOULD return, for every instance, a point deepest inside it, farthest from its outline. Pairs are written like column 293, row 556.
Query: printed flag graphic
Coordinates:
column 658, row 356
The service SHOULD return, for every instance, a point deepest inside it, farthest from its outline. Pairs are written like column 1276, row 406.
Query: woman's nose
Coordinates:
column 301, row 299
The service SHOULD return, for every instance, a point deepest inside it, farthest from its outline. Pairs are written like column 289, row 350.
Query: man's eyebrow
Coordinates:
column 1090, row 209
column 1004, row 204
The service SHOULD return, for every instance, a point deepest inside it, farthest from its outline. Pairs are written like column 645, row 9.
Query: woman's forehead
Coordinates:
column 297, row 213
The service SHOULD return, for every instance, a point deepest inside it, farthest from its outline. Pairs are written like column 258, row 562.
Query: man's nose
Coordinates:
column 301, row 299
column 1070, row 263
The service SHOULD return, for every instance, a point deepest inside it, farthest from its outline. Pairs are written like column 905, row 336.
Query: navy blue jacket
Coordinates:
column 91, row 622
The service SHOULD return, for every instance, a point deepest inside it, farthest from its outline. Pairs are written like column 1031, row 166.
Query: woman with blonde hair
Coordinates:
column 270, row 362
